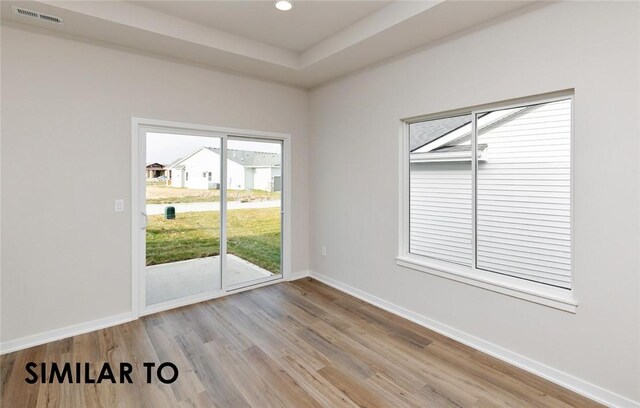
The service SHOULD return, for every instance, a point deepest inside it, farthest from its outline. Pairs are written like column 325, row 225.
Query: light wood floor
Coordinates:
column 298, row 344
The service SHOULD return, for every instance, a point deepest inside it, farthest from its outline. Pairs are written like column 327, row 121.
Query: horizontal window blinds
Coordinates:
column 524, row 195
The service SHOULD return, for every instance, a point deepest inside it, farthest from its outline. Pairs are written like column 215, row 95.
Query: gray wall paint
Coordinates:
column 592, row 47
column 66, row 155
column 66, row 108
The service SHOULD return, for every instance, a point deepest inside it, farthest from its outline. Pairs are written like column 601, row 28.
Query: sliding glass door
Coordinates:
column 254, row 211
column 211, row 206
column 182, row 205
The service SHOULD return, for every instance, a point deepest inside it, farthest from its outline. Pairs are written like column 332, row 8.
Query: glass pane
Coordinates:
column 183, row 209
column 524, row 192
column 440, row 189
column 254, row 203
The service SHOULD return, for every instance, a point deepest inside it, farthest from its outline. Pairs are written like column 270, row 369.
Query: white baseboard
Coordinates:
column 63, row 333
column 86, row 327
column 563, row 379
column 298, row 275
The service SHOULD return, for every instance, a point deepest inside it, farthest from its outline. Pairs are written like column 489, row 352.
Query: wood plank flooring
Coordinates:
column 296, row 344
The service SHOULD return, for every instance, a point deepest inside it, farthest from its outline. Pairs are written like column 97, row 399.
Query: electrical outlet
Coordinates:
column 323, row 251
column 119, row 205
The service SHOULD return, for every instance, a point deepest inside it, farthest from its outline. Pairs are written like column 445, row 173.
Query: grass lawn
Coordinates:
column 253, row 235
column 162, row 194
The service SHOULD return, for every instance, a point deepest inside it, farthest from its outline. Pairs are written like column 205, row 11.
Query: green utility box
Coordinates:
column 170, row 213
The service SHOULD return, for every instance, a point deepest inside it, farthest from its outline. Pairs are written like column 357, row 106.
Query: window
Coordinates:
column 186, row 176
column 209, row 176
column 488, row 198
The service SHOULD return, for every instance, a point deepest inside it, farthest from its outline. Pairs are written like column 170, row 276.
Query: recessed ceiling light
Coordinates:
column 283, row 5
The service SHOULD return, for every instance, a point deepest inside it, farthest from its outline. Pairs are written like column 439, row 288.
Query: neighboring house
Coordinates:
column 155, row 170
column 246, row 170
column 523, row 189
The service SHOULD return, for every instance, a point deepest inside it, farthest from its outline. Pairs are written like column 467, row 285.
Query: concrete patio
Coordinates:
column 185, row 278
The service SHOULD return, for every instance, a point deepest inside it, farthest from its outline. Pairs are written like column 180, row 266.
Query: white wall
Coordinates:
column 204, row 161
column 177, row 178
column 590, row 46
column 448, row 238
column 67, row 104
column 235, row 175
column 263, row 177
column 249, row 174
column 524, row 225
column 66, row 254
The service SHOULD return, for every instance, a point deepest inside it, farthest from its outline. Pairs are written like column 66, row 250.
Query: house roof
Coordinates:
column 249, row 158
column 245, row 158
column 457, row 153
column 426, row 132
column 173, row 163
column 155, row 166
column 459, row 148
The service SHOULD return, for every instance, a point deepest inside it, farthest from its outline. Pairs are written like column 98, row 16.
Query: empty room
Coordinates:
column 317, row 203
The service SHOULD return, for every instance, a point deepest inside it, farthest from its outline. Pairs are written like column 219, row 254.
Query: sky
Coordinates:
column 164, row 148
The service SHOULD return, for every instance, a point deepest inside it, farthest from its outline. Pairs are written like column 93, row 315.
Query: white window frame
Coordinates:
column 559, row 298
column 139, row 129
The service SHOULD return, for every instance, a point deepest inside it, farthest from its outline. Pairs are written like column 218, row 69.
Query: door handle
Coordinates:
column 144, row 219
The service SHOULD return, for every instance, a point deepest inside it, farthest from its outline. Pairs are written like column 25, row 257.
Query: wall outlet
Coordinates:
column 323, row 251
column 119, row 205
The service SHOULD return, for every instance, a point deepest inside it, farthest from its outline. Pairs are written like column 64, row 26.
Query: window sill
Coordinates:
column 542, row 294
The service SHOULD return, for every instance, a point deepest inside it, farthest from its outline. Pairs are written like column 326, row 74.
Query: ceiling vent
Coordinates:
column 34, row 14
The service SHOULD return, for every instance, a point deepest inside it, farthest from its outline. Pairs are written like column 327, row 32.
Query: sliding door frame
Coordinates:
column 284, row 167
column 139, row 129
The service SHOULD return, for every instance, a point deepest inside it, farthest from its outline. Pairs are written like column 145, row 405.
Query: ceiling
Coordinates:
column 315, row 42
column 308, row 23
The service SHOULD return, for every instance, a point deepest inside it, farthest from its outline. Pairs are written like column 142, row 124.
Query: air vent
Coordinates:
column 34, row 14
column 27, row 13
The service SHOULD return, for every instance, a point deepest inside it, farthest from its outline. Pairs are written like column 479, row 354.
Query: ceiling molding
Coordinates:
column 376, row 23
column 144, row 19
column 389, row 31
